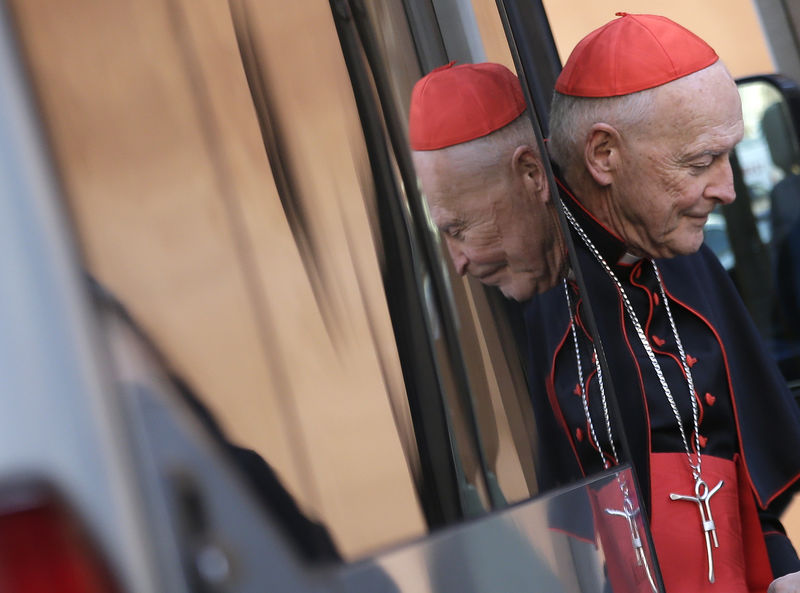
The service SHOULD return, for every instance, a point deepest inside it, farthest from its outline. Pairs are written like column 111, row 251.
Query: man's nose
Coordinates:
column 460, row 259
column 721, row 186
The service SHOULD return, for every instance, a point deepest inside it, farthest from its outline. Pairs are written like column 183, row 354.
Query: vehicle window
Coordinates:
column 755, row 238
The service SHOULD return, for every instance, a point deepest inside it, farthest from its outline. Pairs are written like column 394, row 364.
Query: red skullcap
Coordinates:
column 455, row 104
column 630, row 54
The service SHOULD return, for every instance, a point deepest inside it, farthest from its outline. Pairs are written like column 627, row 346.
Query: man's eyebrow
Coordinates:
column 707, row 152
column 453, row 223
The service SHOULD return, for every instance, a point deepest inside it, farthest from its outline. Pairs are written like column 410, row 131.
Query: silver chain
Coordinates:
column 695, row 466
column 629, row 511
column 583, row 392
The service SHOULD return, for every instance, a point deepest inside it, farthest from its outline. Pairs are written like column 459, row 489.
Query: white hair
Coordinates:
column 571, row 118
column 491, row 154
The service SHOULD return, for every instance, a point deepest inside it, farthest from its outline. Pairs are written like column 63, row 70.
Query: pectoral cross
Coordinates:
column 702, row 497
column 629, row 513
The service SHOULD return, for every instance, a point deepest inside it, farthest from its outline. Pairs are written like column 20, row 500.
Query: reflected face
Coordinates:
column 675, row 168
column 499, row 226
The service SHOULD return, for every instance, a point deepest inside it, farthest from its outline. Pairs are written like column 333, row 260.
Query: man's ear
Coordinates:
column 527, row 163
column 601, row 153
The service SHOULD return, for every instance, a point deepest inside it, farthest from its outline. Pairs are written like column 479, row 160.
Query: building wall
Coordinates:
column 731, row 27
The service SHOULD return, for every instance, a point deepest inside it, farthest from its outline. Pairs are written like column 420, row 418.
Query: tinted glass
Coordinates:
column 756, row 237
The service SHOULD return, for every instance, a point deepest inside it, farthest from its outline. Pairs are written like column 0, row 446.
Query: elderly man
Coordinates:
column 643, row 120
column 476, row 155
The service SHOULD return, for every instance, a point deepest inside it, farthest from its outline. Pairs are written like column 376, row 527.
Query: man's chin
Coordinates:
column 518, row 293
column 683, row 245
column 687, row 247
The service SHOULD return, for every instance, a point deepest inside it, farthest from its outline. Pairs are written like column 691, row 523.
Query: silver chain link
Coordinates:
column 583, row 392
column 621, row 481
column 695, row 466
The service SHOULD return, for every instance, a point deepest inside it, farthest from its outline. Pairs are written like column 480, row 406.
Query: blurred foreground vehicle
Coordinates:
column 233, row 357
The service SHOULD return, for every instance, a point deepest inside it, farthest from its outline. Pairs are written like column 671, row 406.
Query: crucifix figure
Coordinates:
column 701, row 498
column 629, row 513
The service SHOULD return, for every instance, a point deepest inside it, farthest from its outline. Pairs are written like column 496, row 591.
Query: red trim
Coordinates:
column 579, row 318
column 606, row 455
column 553, row 398
column 779, row 492
column 554, row 404
column 642, row 390
column 700, row 407
column 573, row 535
column 746, row 467
column 650, row 312
column 588, row 380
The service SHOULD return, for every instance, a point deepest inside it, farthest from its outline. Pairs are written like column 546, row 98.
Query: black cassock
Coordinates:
column 745, row 408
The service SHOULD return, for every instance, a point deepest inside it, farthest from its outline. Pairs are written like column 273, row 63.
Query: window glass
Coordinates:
column 754, row 237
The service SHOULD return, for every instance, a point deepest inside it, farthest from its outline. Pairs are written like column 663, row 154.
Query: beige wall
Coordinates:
column 731, row 26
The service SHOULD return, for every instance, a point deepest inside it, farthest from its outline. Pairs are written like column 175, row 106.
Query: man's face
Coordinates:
column 675, row 166
column 497, row 227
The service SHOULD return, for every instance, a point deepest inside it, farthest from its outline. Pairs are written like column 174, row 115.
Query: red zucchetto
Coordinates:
column 630, row 54
column 454, row 104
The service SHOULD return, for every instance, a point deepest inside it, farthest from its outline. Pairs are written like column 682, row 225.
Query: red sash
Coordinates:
column 741, row 564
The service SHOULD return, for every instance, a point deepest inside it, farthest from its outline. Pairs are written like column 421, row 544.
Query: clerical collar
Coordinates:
column 628, row 259
column 610, row 245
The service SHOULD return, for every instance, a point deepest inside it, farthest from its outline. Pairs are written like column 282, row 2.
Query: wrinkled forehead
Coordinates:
column 710, row 90
column 449, row 173
column 457, row 191
column 435, row 173
column 703, row 109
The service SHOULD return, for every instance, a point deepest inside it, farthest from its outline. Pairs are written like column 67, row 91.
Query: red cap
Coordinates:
column 455, row 104
column 630, row 54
